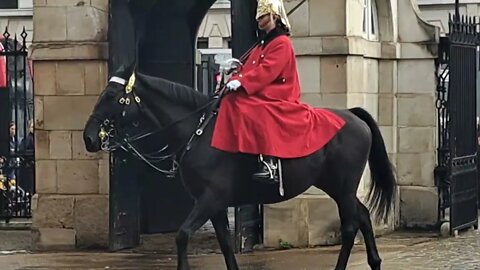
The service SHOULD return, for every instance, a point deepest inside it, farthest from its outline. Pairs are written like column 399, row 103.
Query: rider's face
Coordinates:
column 266, row 23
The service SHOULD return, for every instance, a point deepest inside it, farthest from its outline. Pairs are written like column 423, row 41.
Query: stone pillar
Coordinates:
column 416, row 118
column 69, row 52
column 340, row 68
column 387, row 121
column 326, row 71
column 416, row 142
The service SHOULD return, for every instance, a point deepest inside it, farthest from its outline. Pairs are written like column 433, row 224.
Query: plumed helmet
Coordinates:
column 274, row 7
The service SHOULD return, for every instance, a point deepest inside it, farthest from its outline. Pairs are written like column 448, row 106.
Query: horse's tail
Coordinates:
column 381, row 195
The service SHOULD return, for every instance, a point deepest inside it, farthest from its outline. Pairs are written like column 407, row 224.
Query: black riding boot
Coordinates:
column 268, row 172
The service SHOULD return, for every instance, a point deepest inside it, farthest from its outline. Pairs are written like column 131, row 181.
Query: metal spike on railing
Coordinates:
column 475, row 26
column 6, row 35
column 462, row 23
column 24, row 34
column 24, row 39
column 469, row 24
column 450, row 23
column 456, row 23
column 15, row 42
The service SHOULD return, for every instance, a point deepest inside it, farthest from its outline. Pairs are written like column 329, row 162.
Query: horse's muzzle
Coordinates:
column 91, row 144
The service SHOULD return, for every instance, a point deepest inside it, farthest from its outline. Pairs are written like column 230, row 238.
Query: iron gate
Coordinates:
column 456, row 171
column 206, row 72
column 17, row 158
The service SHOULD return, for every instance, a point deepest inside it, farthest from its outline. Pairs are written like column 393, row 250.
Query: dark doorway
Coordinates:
column 167, row 50
column 165, row 34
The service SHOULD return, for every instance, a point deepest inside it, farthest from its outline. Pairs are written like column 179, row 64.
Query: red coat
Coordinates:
column 265, row 115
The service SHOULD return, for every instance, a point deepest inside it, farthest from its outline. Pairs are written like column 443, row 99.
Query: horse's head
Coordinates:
column 146, row 106
column 112, row 105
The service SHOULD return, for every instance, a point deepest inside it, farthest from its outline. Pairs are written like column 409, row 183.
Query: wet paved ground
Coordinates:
column 399, row 251
column 461, row 253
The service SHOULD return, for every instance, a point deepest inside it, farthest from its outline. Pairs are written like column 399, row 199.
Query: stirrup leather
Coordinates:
column 274, row 170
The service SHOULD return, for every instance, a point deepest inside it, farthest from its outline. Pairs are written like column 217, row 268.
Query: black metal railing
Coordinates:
column 456, row 171
column 17, row 158
column 206, row 71
column 441, row 170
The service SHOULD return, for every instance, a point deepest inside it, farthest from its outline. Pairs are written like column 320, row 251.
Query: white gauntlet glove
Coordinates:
column 233, row 85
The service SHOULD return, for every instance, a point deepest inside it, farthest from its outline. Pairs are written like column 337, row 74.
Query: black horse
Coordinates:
column 218, row 180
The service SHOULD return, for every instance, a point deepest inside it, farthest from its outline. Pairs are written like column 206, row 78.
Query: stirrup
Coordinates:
column 268, row 172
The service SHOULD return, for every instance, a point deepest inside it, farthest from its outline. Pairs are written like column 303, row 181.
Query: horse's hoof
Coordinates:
column 445, row 229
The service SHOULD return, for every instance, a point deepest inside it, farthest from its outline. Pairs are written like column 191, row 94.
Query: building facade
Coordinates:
column 15, row 15
column 437, row 12
column 378, row 55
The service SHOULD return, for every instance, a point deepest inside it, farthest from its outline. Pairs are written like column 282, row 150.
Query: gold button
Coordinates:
column 283, row 80
column 262, row 56
column 241, row 76
column 263, row 41
column 254, row 62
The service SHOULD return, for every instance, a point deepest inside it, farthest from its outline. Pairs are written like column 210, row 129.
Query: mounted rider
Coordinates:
column 263, row 114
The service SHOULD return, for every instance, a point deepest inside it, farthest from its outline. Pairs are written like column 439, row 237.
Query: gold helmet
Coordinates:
column 274, row 7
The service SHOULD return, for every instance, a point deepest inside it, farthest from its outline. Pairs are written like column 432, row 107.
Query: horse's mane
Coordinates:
column 174, row 91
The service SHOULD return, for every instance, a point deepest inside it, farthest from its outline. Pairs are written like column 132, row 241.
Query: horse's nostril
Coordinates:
column 91, row 144
column 88, row 141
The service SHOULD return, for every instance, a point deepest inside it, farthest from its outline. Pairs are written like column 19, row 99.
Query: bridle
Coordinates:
column 113, row 139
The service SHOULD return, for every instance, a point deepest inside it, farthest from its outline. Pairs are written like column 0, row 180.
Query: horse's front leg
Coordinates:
column 220, row 223
column 205, row 207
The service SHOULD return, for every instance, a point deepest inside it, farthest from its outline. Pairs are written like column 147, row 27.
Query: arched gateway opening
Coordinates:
column 141, row 200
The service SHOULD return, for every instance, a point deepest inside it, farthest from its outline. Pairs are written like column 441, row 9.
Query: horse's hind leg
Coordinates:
column 366, row 227
column 348, row 210
column 204, row 208
column 220, row 223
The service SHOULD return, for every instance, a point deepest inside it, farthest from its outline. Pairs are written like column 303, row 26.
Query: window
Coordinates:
column 370, row 20
column 16, row 4
column 25, row 4
column 202, row 43
column 9, row 4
